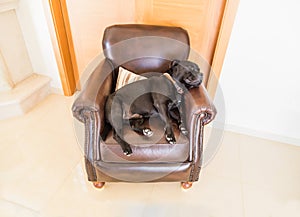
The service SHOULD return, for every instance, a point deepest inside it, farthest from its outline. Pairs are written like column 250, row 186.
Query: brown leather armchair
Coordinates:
column 141, row 49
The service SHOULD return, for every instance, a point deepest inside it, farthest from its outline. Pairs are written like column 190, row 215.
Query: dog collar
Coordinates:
column 178, row 88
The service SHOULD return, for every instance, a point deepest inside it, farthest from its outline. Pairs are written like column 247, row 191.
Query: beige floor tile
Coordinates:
column 78, row 197
column 269, row 164
column 211, row 196
column 290, row 208
column 8, row 209
column 35, row 163
column 262, row 202
column 226, row 161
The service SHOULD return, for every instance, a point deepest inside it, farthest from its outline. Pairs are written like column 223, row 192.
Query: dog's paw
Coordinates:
column 171, row 139
column 128, row 154
column 147, row 132
column 127, row 151
column 183, row 130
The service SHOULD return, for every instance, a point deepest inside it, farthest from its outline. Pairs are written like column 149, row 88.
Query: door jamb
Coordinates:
column 227, row 22
column 65, row 56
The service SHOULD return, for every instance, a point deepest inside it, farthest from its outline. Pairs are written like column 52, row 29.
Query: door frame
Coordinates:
column 228, row 17
column 64, row 46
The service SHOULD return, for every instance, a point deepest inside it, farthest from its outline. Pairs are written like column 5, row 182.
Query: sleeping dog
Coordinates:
column 157, row 95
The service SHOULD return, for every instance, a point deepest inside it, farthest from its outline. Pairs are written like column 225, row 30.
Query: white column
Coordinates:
column 5, row 80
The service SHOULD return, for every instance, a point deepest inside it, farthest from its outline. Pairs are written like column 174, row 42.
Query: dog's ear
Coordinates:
column 174, row 63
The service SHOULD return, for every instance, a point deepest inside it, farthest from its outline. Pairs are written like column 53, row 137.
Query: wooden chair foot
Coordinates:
column 186, row 185
column 98, row 184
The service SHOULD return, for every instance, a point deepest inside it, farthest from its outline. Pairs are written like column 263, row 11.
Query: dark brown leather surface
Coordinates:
column 160, row 162
column 198, row 102
column 153, row 149
column 145, row 48
column 143, row 172
column 95, row 90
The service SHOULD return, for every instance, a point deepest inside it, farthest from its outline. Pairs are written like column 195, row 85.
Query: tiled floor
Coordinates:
column 42, row 175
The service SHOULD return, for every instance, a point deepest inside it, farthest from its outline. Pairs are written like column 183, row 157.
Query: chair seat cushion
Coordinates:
column 154, row 149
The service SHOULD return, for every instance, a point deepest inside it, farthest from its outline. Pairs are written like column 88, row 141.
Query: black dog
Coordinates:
column 157, row 95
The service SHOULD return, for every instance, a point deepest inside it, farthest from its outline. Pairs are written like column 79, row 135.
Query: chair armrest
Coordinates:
column 89, row 109
column 199, row 112
column 93, row 95
column 199, row 103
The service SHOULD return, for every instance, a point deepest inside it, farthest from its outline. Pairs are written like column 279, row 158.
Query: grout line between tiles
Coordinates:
column 149, row 198
column 20, row 205
column 241, row 176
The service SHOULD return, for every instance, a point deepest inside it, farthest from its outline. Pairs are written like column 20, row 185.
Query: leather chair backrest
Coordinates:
column 145, row 48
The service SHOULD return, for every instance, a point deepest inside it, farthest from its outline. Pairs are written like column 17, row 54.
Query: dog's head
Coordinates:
column 186, row 72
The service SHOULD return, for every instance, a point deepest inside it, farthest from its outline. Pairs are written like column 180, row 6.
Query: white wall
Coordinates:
column 261, row 73
column 31, row 15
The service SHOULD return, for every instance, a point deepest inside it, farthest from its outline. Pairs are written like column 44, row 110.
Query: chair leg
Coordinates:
column 98, row 184
column 186, row 185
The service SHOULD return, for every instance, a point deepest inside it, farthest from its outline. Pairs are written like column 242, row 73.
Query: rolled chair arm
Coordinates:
column 89, row 109
column 199, row 103
column 199, row 111
column 93, row 94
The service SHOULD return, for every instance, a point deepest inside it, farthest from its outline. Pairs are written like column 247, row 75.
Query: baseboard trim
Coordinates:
column 261, row 134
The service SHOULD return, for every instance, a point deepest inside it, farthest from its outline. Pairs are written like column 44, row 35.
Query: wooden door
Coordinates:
column 209, row 23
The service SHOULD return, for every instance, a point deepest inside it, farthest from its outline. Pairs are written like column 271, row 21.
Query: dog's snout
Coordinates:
column 194, row 80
